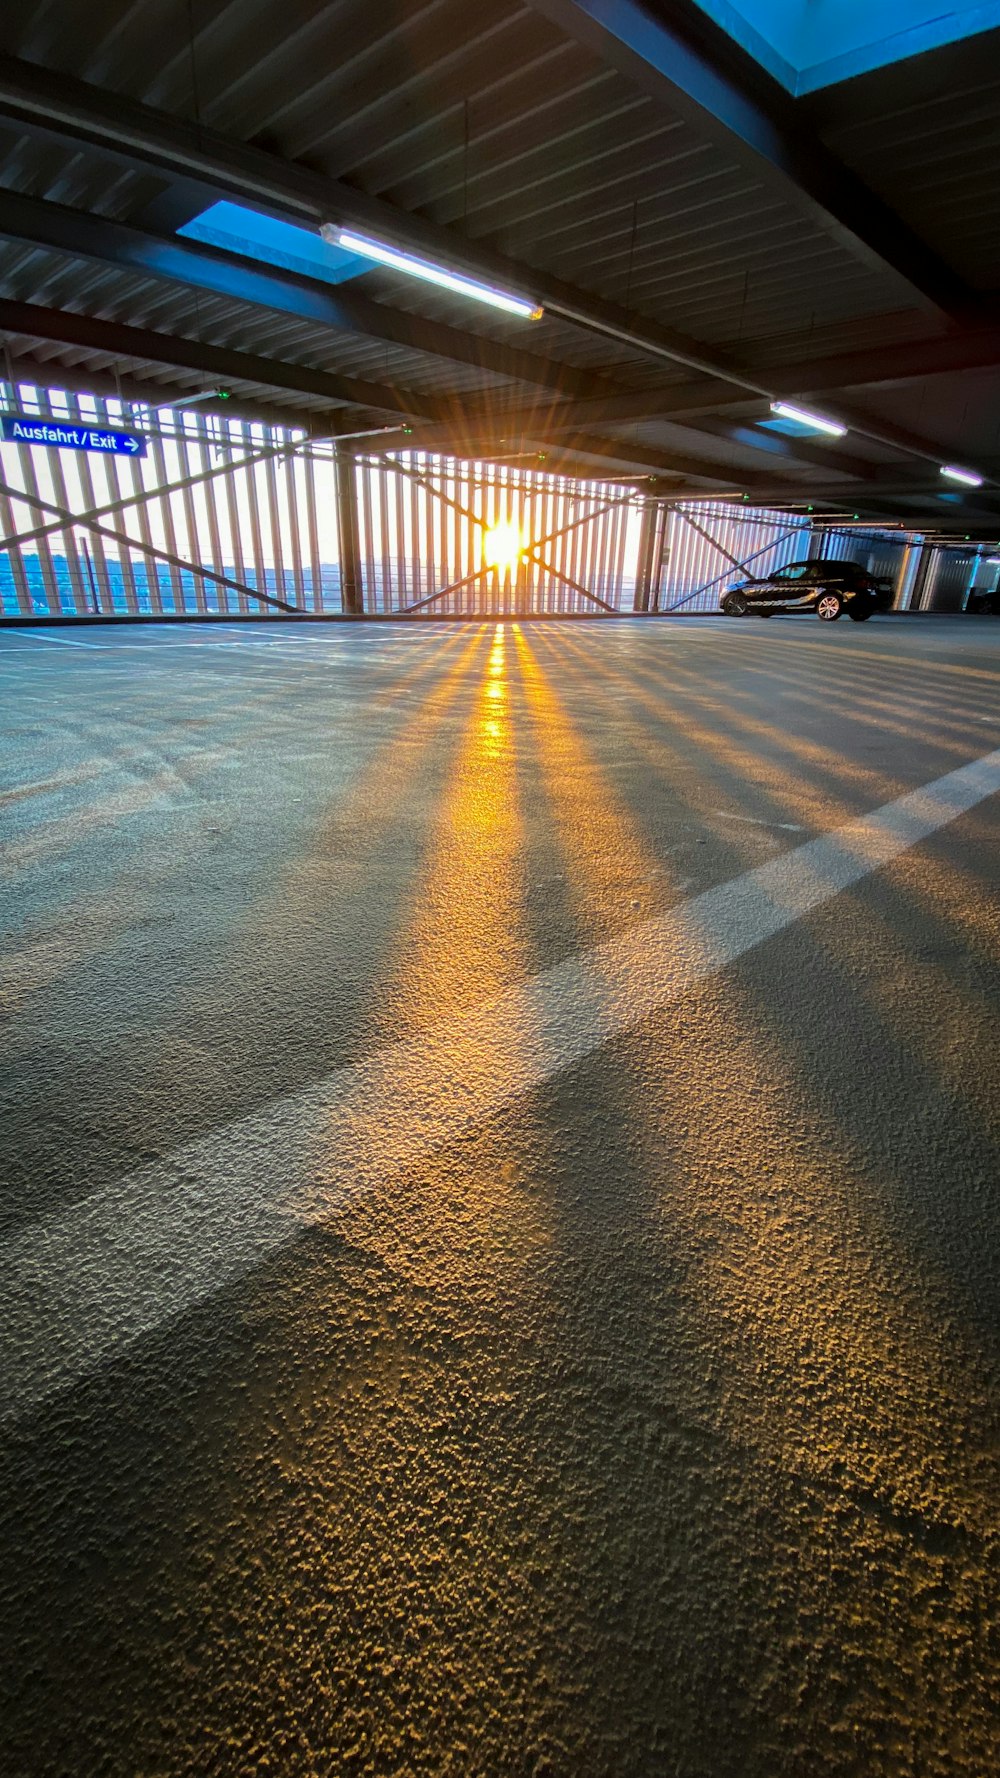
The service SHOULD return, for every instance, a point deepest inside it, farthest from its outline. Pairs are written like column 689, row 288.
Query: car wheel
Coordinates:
column 736, row 604
column 829, row 607
column 860, row 609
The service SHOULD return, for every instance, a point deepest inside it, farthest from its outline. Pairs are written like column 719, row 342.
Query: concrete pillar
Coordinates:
column 922, row 596
column 640, row 601
column 906, row 578
column 652, row 537
column 347, row 532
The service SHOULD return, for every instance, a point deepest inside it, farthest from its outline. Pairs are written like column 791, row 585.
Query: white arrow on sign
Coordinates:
column 132, row 444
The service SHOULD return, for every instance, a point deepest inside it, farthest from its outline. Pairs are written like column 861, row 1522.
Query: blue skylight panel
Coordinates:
column 283, row 244
column 807, row 44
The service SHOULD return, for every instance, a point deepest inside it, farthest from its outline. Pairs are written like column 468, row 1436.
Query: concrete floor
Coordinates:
column 601, row 1383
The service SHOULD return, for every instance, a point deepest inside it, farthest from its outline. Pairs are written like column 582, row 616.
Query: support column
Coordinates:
column 650, row 559
column 906, row 578
column 925, row 579
column 347, row 531
column 661, row 553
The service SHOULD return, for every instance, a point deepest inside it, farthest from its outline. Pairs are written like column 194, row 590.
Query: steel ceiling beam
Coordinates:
column 57, row 227
column 830, row 458
column 40, row 223
column 317, row 427
column 640, row 458
column 138, row 135
column 884, row 503
column 949, row 353
column 120, row 341
column 953, row 352
column 59, row 107
column 51, row 374
column 439, row 430
column 698, row 73
column 560, row 459
column 689, row 405
column 542, row 425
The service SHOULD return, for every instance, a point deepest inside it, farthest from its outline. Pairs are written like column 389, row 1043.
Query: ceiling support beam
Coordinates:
column 143, row 344
column 948, row 353
column 433, row 418
column 683, row 65
column 709, row 414
column 641, row 459
column 50, row 374
column 136, row 135
column 798, row 452
column 884, row 503
column 43, row 224
column 563, row 457
column 58, row 106
column 542, row 425
column 69, row 231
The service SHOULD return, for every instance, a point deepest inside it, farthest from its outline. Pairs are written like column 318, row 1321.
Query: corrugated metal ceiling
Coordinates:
column 489, row 120
column 559, row 148
column 926, row 136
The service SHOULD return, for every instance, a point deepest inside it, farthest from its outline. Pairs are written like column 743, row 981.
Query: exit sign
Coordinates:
column 70, row 435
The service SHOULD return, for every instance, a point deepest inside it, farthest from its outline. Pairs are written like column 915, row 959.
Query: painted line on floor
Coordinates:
column 79, row 1288
column 58, row 641
column 754, row 821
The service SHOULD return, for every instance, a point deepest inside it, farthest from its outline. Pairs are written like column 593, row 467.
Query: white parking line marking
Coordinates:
column 752, row 821
column 58, row 641
column 77, row 1289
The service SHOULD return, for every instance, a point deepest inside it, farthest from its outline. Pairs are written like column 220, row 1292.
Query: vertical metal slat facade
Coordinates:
column 258, row 505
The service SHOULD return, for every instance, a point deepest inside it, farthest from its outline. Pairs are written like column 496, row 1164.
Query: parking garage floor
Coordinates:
column 500, row 1238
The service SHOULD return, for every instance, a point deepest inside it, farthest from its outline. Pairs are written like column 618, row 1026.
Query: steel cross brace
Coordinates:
column 530, row 554
column 147, row 549
column 744, row 565
column 140, row 497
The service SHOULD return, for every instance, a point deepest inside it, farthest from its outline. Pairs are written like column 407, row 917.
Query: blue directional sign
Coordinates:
column 70, row 435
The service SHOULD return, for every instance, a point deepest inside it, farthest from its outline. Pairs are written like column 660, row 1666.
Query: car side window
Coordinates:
column 794, row 571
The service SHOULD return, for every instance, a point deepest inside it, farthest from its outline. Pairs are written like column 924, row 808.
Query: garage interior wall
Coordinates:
column 220, row 509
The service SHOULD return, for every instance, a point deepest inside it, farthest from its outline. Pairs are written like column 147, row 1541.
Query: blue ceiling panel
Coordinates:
column 256, row 236
column 807, row 44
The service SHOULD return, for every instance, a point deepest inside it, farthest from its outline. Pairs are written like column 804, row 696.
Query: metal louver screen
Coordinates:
column 229, row 516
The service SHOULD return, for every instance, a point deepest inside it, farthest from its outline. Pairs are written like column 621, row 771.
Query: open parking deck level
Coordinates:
column 499, row 1264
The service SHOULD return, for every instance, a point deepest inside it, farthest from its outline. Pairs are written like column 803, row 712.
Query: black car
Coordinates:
column 828, row 588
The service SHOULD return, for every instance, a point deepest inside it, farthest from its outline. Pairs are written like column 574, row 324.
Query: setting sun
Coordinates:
column 503, row 545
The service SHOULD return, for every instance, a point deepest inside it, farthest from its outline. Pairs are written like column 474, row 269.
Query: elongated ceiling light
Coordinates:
column 430, row 272
column 787, row 411
column 968, row 476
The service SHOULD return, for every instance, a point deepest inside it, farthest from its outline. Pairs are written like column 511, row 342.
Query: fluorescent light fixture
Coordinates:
column 968, row 476
column 431, row 273
column 787, row 411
